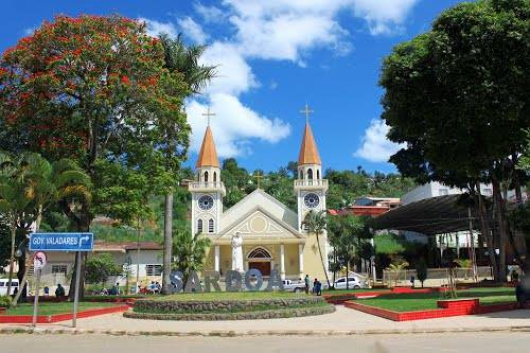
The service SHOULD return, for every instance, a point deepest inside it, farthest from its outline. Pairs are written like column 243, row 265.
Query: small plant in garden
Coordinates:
column 397, row 267
column 5, row 302
column 421, row 271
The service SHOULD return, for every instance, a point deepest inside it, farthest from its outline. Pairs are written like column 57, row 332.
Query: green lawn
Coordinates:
column 54, row 308
column 229, row 296
column 427, row 301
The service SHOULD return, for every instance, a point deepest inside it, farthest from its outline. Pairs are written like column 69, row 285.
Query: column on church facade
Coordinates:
column 301, row 259
column 217, row 258
column 282, row 261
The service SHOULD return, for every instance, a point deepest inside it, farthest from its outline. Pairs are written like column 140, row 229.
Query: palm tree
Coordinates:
column 189, row 252
column 183, row 59
column 37, row 185
column 21, row 186
column 315, row 223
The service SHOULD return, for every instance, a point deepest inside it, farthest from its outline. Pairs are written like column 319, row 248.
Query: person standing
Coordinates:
column 306, row 281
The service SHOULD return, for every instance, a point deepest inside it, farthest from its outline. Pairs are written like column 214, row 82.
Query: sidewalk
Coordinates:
column 343, row 322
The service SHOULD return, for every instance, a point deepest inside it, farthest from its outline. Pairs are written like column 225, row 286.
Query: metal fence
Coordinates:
column 393, row 277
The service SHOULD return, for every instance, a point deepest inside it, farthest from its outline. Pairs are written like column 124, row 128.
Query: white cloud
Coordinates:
column 234, row 74
column 233, row 125
column 192, row 30
column 375, row 145
column 383, row 17
column 155, row 28
column 210, row 14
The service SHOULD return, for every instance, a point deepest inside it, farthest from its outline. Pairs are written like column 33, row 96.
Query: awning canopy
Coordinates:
column 435, row 215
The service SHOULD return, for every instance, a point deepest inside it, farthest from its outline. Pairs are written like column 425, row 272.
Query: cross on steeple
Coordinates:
column 307, row 111
column 258, row 177
column 208, row 114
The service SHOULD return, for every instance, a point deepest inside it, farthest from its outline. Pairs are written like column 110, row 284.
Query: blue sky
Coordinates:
column 273, row 57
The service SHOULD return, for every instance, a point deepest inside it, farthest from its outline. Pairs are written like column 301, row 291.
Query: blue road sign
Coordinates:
column 61, row 242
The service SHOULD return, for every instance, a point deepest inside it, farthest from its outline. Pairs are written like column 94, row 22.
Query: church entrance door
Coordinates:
column 263, row 267
column 260, row 259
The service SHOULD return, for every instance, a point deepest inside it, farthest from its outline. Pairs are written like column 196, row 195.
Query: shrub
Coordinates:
column 421, row 271
column 5, row 302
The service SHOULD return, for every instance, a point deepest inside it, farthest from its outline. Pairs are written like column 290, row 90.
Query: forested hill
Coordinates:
column 344, row 187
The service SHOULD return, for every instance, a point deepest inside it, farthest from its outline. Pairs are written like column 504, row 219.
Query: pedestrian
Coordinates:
column 315, row 286
column 307, row 280
column 59, row 292
column 118, row 288
column 319, row 288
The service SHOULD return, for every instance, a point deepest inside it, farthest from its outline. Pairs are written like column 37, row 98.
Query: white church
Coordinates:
column 272, row 234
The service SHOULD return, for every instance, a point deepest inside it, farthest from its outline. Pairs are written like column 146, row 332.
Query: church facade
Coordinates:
column 272, row 234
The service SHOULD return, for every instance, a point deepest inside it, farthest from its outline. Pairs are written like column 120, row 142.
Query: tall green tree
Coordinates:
column 315, row 223
column 457, row 96
column 182, row 59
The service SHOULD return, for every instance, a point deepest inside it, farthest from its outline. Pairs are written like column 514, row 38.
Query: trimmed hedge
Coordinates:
column 223, row 306
column 250, row 315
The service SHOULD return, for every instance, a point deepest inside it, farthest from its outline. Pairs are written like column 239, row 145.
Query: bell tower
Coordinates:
column 207, row 189
column 310, row 188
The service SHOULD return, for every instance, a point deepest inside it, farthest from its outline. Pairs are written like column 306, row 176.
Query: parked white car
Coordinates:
column 4, row 283
column 353, row 283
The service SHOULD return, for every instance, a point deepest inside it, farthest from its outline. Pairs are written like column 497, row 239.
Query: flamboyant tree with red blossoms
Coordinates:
column 97, row 90
column 90, row 88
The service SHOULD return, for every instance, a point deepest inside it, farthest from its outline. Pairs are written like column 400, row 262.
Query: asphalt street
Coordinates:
column 444, row 343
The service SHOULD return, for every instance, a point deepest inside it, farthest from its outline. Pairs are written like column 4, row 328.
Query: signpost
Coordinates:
column 39, row 261
column 77, row 242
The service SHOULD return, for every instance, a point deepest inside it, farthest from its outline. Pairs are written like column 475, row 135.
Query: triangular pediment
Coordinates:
column 259, row 223
column 267, row 203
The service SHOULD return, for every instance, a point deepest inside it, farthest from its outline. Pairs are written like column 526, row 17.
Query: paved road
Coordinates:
column 444, row 343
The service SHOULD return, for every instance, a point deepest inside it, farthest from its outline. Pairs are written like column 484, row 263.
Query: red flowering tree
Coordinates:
column 95, row 89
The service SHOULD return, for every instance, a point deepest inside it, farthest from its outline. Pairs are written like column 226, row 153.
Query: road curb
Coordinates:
column 66, row 331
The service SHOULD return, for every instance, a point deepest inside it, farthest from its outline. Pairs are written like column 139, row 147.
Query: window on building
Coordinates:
column 199, row 226
column 443, row 192
column 318, row 174
column 310, row 174
column 205, row 177
column 214, row 177
column 301, row 175
column 153, row 270
column 60, row 268
column 210, row 226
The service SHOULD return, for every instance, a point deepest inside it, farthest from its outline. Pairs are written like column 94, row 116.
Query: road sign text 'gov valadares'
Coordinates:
column 61, row 242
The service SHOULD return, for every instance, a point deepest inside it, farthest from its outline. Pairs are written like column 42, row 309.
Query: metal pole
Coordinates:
column 36, row 301
column 77, row 284
column 472, row 248
column 138, row 260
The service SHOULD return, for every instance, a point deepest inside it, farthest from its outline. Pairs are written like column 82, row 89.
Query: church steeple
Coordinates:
column 208, row 154
column 308, row 150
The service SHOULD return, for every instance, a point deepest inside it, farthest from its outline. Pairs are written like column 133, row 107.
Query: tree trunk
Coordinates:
column 23, row 288
column 168, row 243
column 501, row 226
column 322, row 261
column 485, row 230
column 348, row 274
column 12, row 255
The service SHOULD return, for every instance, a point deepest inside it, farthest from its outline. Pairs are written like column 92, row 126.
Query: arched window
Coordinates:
column 301, row 174
column 199, row 226
column 310, row 174
column 205, row 177
column 210, row 226
column 214, row 177
column 318, row 174
column 259, row 253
